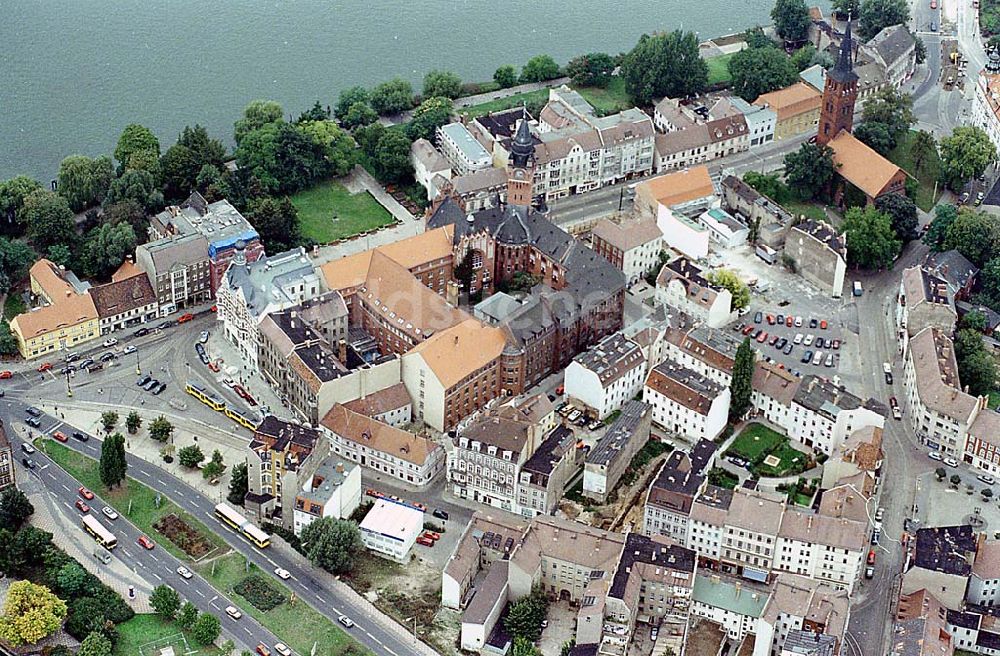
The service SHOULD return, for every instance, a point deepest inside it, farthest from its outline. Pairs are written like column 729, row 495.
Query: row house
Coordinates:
column 924, row 300
column 128, row 300
column 681, row 285
column 632, row 245
column 607, row 375
column 681, row 479
column 698, row 134
column 685, row 403
column 613, row 452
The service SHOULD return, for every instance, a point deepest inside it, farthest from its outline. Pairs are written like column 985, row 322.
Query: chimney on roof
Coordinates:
column 340, row 468
column 342, row 351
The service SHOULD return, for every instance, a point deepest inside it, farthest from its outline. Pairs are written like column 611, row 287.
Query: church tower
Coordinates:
column 521, row 166
column 840, row 93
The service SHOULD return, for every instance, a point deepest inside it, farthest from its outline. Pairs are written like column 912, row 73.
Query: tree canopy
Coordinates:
column 755, row 71
column 256, row 115
column 791, row 19
column 974, row 234
column 428, row 117
column 729, row 280
column 875, row 15
column 48, row 219
column 741, row 385
column 135, row 140
column 113, row 464
column 442, row 83
column 238, row 484
column 902, row 213
column 937, row 232
column 12, row 194
column 591, row 70
column 505, row 76
column 664, row 65
column 392, row 97
column 30, row 613
column 809, row 169
column 332, row 543
column 106, row 247
column 277, row 222
column 871, row 241
column 349, row 97
column 15, row 509
column 83, row 181
column 539, row 68
column 964, row 155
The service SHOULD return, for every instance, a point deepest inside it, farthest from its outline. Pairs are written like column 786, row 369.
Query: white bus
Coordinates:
column 98, row 532
column 240, row 523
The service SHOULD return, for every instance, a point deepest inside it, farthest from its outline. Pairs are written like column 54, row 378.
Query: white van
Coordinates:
column 857, row 288
column 818, row 358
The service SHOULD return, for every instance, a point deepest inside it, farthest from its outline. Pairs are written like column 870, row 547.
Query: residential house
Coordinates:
column 128, row 300
column 429, row 166
column 952, row 267
column 823, row 414
column 391, row 405
column 986, row 101
column 681, row 285
column 761, row 120
column 632, row 245
column 461, row 149
column 65, row 315
column 820, row 254
column 751, row 207
column 544, row 476
column 797, row 108
column 719, row 131
column 613, row 452
column 681, row 479
column 924, row 301
column 676, row 199
column 393, row 452
column 332, row 490
column 606, row 376
column 894, row 49
column 982, row 442
column 179, row 270
column 704, row 350
column 922, row 627
column 686, row 403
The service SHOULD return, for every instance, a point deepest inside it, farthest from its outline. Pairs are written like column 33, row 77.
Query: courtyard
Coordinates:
column 328, row 212
column 768, row 452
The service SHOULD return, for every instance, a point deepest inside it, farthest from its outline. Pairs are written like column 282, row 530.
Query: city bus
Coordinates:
column 211, row 399
column 98, row 532
column 240, row 418
column 240, row 523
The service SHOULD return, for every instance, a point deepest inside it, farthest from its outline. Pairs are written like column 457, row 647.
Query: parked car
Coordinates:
column 813, row 322
column 986, row 478
column 82, row 506
column 935, row 455
column 836, row 345
column 45, row 366
column 204, row 360
column 789, row 321
column 774, row 340
column 145, row 542
column 27, row 448
column 151, row 384
column 110, row 513
column 432, row 535
column 165, row 325
column 425, row 541
column 86, row 363
column 282, row 649
column 951, row 462
column 897, row 413
column 869, row 572
column 888, row 378
column 109, row 342
column 440, row 514
column 829, row 360
column 34, row 412
column 4, row 375
column 108, row 357
column 781, row 343
column 770, row 319
column 823, row 324
column 159, row 389
column 758, row 317
column 762, row 336
column 788, row 348
column 807, row 357
column 144, row 381
column 808, row 341
column 85, row 493
column 33, row 422
column 142, row 332
column 129, row 349
column 203, row 337
column 184, row 318
column 72, row 357
column 879, row 514
column 749, row 329
column 798, row 338
column 97, row 366
column 817, row 358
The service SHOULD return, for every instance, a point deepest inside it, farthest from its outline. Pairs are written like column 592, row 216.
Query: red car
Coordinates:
column 81, row 506
column 6, row 374
column 184, row 318
column 213, row 367
column 823, row 324
column 243, row 394
column 762, row 336
column 836, row 344
column 432, row 535
column 145, row 542
column 263, row 650
column 770, row 319
column 748, row 329
column 85, row 493
column 427, row 542
column 789, row 320
column 60, row 436
column 871, row 557
column 45, row 366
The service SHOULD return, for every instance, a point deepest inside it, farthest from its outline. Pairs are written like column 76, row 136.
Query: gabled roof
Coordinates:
column 461, row 350
column 124, row 295
column 378, row 436
column 680, row 187
column 860, row 165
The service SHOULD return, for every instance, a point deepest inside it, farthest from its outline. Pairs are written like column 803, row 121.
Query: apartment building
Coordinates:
column 606, row 376
column 333, row 489
column 894, row 50
column 430, row 168
column 750, row 206
column 924, row 300
column 706, row 351
column 686, row 403
column 128, row 300
column 613, row 452
column 460, row 148
column 820, row 255
column 824, row 414
column 178, row 269
column 544, row 476
column 632, row 245
column 63, row 316
column 679, row 482
column 676, row 200
column 410, row 458
column 681, row 285
column 797, row 108
column 695, row 133
column 986, row 101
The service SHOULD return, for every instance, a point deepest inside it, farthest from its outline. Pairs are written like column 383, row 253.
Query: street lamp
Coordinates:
column 69, row 390
column 138, row 370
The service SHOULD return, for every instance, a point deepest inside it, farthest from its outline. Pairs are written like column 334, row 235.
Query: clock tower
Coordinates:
column 521, row 166
column 840, row 93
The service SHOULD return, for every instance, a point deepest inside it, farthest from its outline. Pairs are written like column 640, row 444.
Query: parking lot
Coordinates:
column 801, row 343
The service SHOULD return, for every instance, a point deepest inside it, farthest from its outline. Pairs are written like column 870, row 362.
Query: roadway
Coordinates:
column 319, row 590
column 157, row 566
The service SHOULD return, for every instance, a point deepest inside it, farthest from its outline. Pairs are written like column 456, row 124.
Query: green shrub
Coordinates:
column 258, row 591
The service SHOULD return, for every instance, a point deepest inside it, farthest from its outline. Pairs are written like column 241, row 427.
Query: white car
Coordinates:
column 203, row 337
column 798, row 338
column 986, row 478
column 935, row 455
column 110, row 513
column 282, row 649
column 185, row 573
column 879, row 514
column 951, row 462
column 808, row 341
column 129, row 349
column 109, row 342
column 233, row 612
column 282, row 573
column 346, row 621
column 798, row 322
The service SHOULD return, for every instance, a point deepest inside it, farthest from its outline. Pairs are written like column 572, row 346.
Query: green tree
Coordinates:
column 989, row 281
column 113, row 464
column 30, row 613
column 974, row 320
column 729, row 280
column 257, row 114
column 591, row 70
column 109, row 419
column 976, row 235
column 755, row 71
column 8, row 343
column 208, row 151
column 190, row 456
column 348, row 97
column 977, row 368
column 214, row 468
column 165, row 601
column 227, row 648
column 756, row 38
column 539, row 68
column 139, row 186
column 809, row 169
column 804, row 57
column 524, row 647
column 892, row 108
column 878, row 14
column 964, row 155
column 15, row 509
column 179, row 168
column 741, row 385
column 135, row 140
column 871, row 241
column 392, row 97
column 106, row 248
column 505, row 76
column 72, row 580
column 12, row 195
column 160, row 429
column 392, row 156
column 127, row 212
column 95, row 644
column 15, row 258
column 919, row 50
column 428, row 117
column 83, row 181
column 132, row 422
column 845, row 8
column 877, row 136
column 238, row 484
column 187, row 615
column 332, row 543
column 791, row 19
column 277, row 222
column 60, row 254
column 206, row 629
column 923, row 149
column 524, row 620
column 902, row 213
column 664, row 65
column 937, row 232
column 48, row 219
column 22, row 549
column 360, row 113
column 442, row 83
column 368, row 137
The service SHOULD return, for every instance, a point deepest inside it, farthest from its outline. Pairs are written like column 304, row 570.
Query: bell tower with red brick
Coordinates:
column 840, row 93
column 521, row 166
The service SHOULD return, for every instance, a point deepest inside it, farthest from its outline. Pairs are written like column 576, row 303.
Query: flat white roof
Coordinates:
column 393, row 520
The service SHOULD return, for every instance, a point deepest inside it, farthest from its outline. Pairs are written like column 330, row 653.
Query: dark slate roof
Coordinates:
column 702, row 454
column 988, row 640
column 843, row 70
column 122, row 296
column 952, row 266
column 643, row 549
column 892, row 43
column 624, row 429
column 964, row 620
column 584, row 650
column 542, row 461
column 501, row 125
column 946, row 549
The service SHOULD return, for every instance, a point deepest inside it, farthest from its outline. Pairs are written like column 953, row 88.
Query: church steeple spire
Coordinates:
column 843, row 70
column 840, row 93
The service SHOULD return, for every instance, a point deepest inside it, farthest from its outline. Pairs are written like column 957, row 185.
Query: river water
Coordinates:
column 73, row 73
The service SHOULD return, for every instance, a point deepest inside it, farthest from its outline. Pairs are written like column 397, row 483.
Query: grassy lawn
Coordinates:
column 13, row 306
column 809, row 209
column 609, row 100
column 755, row 442
column 295, row 622
column 793, row 461
column 718, row 68
column 994, row 398
column 900, row 156
column 133, row 499
column 505, row 103
column 722, row 478
column 328, row 212
column 143, row 629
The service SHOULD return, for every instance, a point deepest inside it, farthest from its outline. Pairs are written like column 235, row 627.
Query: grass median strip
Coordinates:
column 133, row 499
column 293, row 621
